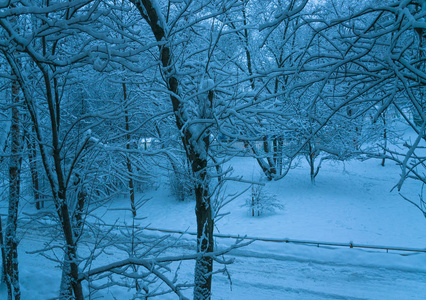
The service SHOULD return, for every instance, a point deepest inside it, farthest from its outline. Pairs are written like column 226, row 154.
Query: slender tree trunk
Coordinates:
column 11, row 242
column 267, row 149
column 267, row 169
column 32, row 156
column 280, row 149
column 70, row 269
column 180, row 176
column 275, row 151
column 385, row 139
column 3, row 254
column 253, row 203
column 130, row 172
column 69, row 281
column 311, row 161
column 59, row 189
column 54, row 172
column 59, row 186
column 131, row 186
column 81, row 200
column 128, row 162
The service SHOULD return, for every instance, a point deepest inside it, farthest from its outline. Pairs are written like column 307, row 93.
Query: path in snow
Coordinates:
column 263, row 275
column 260, row 278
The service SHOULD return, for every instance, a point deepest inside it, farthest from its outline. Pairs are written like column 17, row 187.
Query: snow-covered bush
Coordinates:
column 262, row 201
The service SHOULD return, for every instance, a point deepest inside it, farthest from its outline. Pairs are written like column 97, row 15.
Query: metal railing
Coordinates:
column 292, row 241
column 351, row 245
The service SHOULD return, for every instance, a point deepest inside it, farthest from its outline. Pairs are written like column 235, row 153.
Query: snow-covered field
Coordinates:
column 350, row 202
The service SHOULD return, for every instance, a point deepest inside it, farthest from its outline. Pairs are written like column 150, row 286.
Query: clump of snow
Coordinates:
column 99, row 65
column 207, row 84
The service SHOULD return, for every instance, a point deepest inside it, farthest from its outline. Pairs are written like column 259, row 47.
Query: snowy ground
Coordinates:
column 350, row 202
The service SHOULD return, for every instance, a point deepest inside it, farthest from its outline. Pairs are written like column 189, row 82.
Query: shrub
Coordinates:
column 262, row 202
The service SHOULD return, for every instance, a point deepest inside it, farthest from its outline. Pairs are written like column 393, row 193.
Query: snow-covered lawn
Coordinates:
column 350, row 202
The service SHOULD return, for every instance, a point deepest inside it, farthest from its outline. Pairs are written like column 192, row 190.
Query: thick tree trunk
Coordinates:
column 196, row 153
column 203, row 211
column 65, row 290
column 11, row 242
column 205, row 225
column 204, row 265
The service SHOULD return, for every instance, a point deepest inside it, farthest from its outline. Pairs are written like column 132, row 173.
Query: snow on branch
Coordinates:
column 150, row 263
column 287, row 13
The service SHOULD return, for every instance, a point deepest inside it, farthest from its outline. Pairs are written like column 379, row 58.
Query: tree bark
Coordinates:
column 70, row 268
column 32, row 157
column 311, row 161
column 385, row 139
column 128, row 162
column 205, row 226
column 3, row 254
column 11, row 242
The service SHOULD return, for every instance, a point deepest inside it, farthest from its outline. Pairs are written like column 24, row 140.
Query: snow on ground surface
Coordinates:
column 350, row 202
